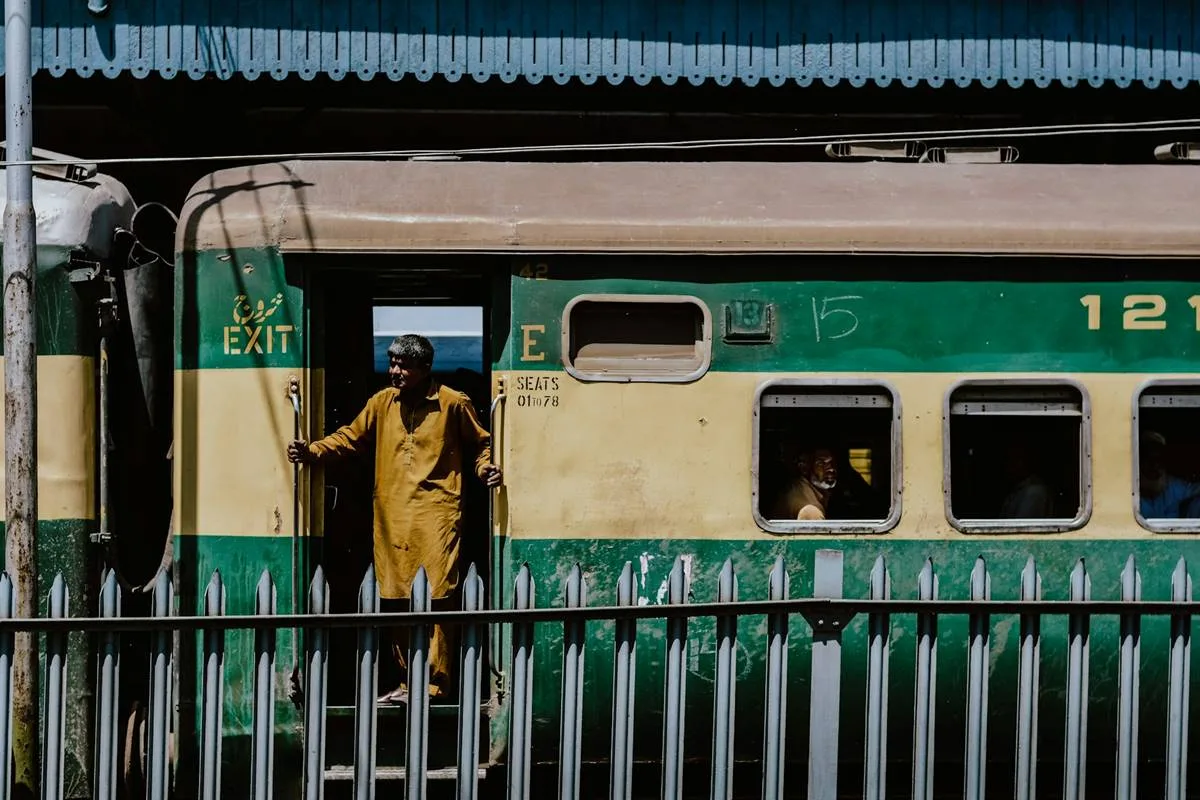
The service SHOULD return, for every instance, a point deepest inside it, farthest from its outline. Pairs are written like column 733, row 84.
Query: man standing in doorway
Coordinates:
column 424, row 434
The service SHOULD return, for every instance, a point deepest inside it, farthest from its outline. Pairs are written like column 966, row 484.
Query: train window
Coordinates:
column 827, row 457
column 1166, row 453
column 1017, row 456
column 636, row 338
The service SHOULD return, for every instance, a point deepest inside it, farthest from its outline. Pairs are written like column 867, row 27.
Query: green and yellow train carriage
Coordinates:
column 659, row 342
column 96, row 274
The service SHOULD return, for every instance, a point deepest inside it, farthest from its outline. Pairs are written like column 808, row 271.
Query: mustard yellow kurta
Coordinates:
column 420, row 451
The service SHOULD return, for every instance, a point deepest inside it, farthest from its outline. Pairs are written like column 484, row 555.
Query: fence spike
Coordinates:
column 571, row 734
column 367, row 685
column 417, row 764
column 978, row 643
column 213, row 692
column 108, row 677
column 1028, row 682
column 1075, row 744
column 316, row 690
column 725, row 690
column 825, row 706
column 470, row 690
column 53, row 773
column 1179, row 686
column 521, row 719
column 676, row 685
column 926, row 688
column 624, row 661
column 775, row 716
column 1130, row 669
column 262, row 776
column 878, row 655
column 158, row 768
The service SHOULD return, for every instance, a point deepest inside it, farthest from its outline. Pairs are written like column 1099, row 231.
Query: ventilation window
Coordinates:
column 636, row 338
column 827, row 457
column 1017, row 456
column 1166, row 454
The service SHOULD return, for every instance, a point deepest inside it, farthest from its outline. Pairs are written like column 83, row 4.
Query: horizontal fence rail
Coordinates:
column 826, row 616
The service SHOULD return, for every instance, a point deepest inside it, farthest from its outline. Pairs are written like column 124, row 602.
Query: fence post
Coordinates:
column 469, row 691
column 214, row 692
column 775, row 716
column 879, row 633
column 1179, row 687
column 56, row 695
column 926, row 688
column 1075, row 744
column 676, row 685
column 262, row 777
column 1131, row 651
column 571, row 735
column 160, row 691
column 725, row 690
column 1028, row 681
column 825, row 707
column 521, row 719
column 365, row 717
column 315, row 691
column 624, row 653
column 108, row 676
column 416, row 766
column 975, row 771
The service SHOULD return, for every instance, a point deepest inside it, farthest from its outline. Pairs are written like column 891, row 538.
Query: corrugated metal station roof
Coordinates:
column 778, row 41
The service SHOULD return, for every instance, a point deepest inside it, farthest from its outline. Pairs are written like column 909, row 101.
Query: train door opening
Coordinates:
column 356, row 316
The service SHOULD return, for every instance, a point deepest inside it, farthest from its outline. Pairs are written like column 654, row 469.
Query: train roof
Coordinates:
column 727, row 207
column 74, row 213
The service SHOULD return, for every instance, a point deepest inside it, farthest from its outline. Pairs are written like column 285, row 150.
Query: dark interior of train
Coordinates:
column 860, row 439
column 360, row 311
column 1169, row 456
column 995, row 459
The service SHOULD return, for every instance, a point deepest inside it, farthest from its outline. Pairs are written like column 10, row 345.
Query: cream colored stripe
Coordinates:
column 66, row 447
column 231, row 473
column 659, row 461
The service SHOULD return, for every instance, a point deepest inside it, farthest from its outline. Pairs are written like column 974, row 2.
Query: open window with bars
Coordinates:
column 826, row 457
column 1166, row 456
column 1017, row 456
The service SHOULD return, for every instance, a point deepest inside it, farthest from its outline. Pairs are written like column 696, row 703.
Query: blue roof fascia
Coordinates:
column 909, row 42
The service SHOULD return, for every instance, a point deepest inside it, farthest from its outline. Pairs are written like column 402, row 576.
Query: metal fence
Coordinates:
column 826, row 615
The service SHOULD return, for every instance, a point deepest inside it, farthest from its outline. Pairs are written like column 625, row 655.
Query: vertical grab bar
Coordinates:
column 493, row 560
column 295, row 689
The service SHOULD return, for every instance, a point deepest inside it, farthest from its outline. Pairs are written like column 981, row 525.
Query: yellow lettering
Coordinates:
column 231, row 342
column 270, row 340
column 254, row 334
column 529, row 343
column 1142, row 312
column 283, row 331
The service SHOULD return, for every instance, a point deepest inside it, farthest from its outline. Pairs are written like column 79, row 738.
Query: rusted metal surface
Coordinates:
column 20, row 385
column 744, row 207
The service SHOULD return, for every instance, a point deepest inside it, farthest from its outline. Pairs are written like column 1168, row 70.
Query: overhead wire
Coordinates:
column 941, row 135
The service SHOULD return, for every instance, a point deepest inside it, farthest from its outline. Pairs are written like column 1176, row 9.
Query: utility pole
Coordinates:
column 20, row 386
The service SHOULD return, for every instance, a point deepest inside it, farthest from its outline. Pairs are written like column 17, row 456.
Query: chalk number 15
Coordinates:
column 1143, row 312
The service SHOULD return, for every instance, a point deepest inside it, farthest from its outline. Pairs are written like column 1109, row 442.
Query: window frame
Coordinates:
column 1002, row 526
column 706, row 331
column 1135, row 447
column 794, row 527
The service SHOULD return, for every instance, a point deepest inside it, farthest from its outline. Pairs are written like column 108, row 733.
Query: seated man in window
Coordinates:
column 808, row 496
column 1163, row 496
column 1029, row 497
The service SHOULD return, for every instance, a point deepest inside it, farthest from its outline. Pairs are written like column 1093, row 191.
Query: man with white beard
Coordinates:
column 808, row 497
